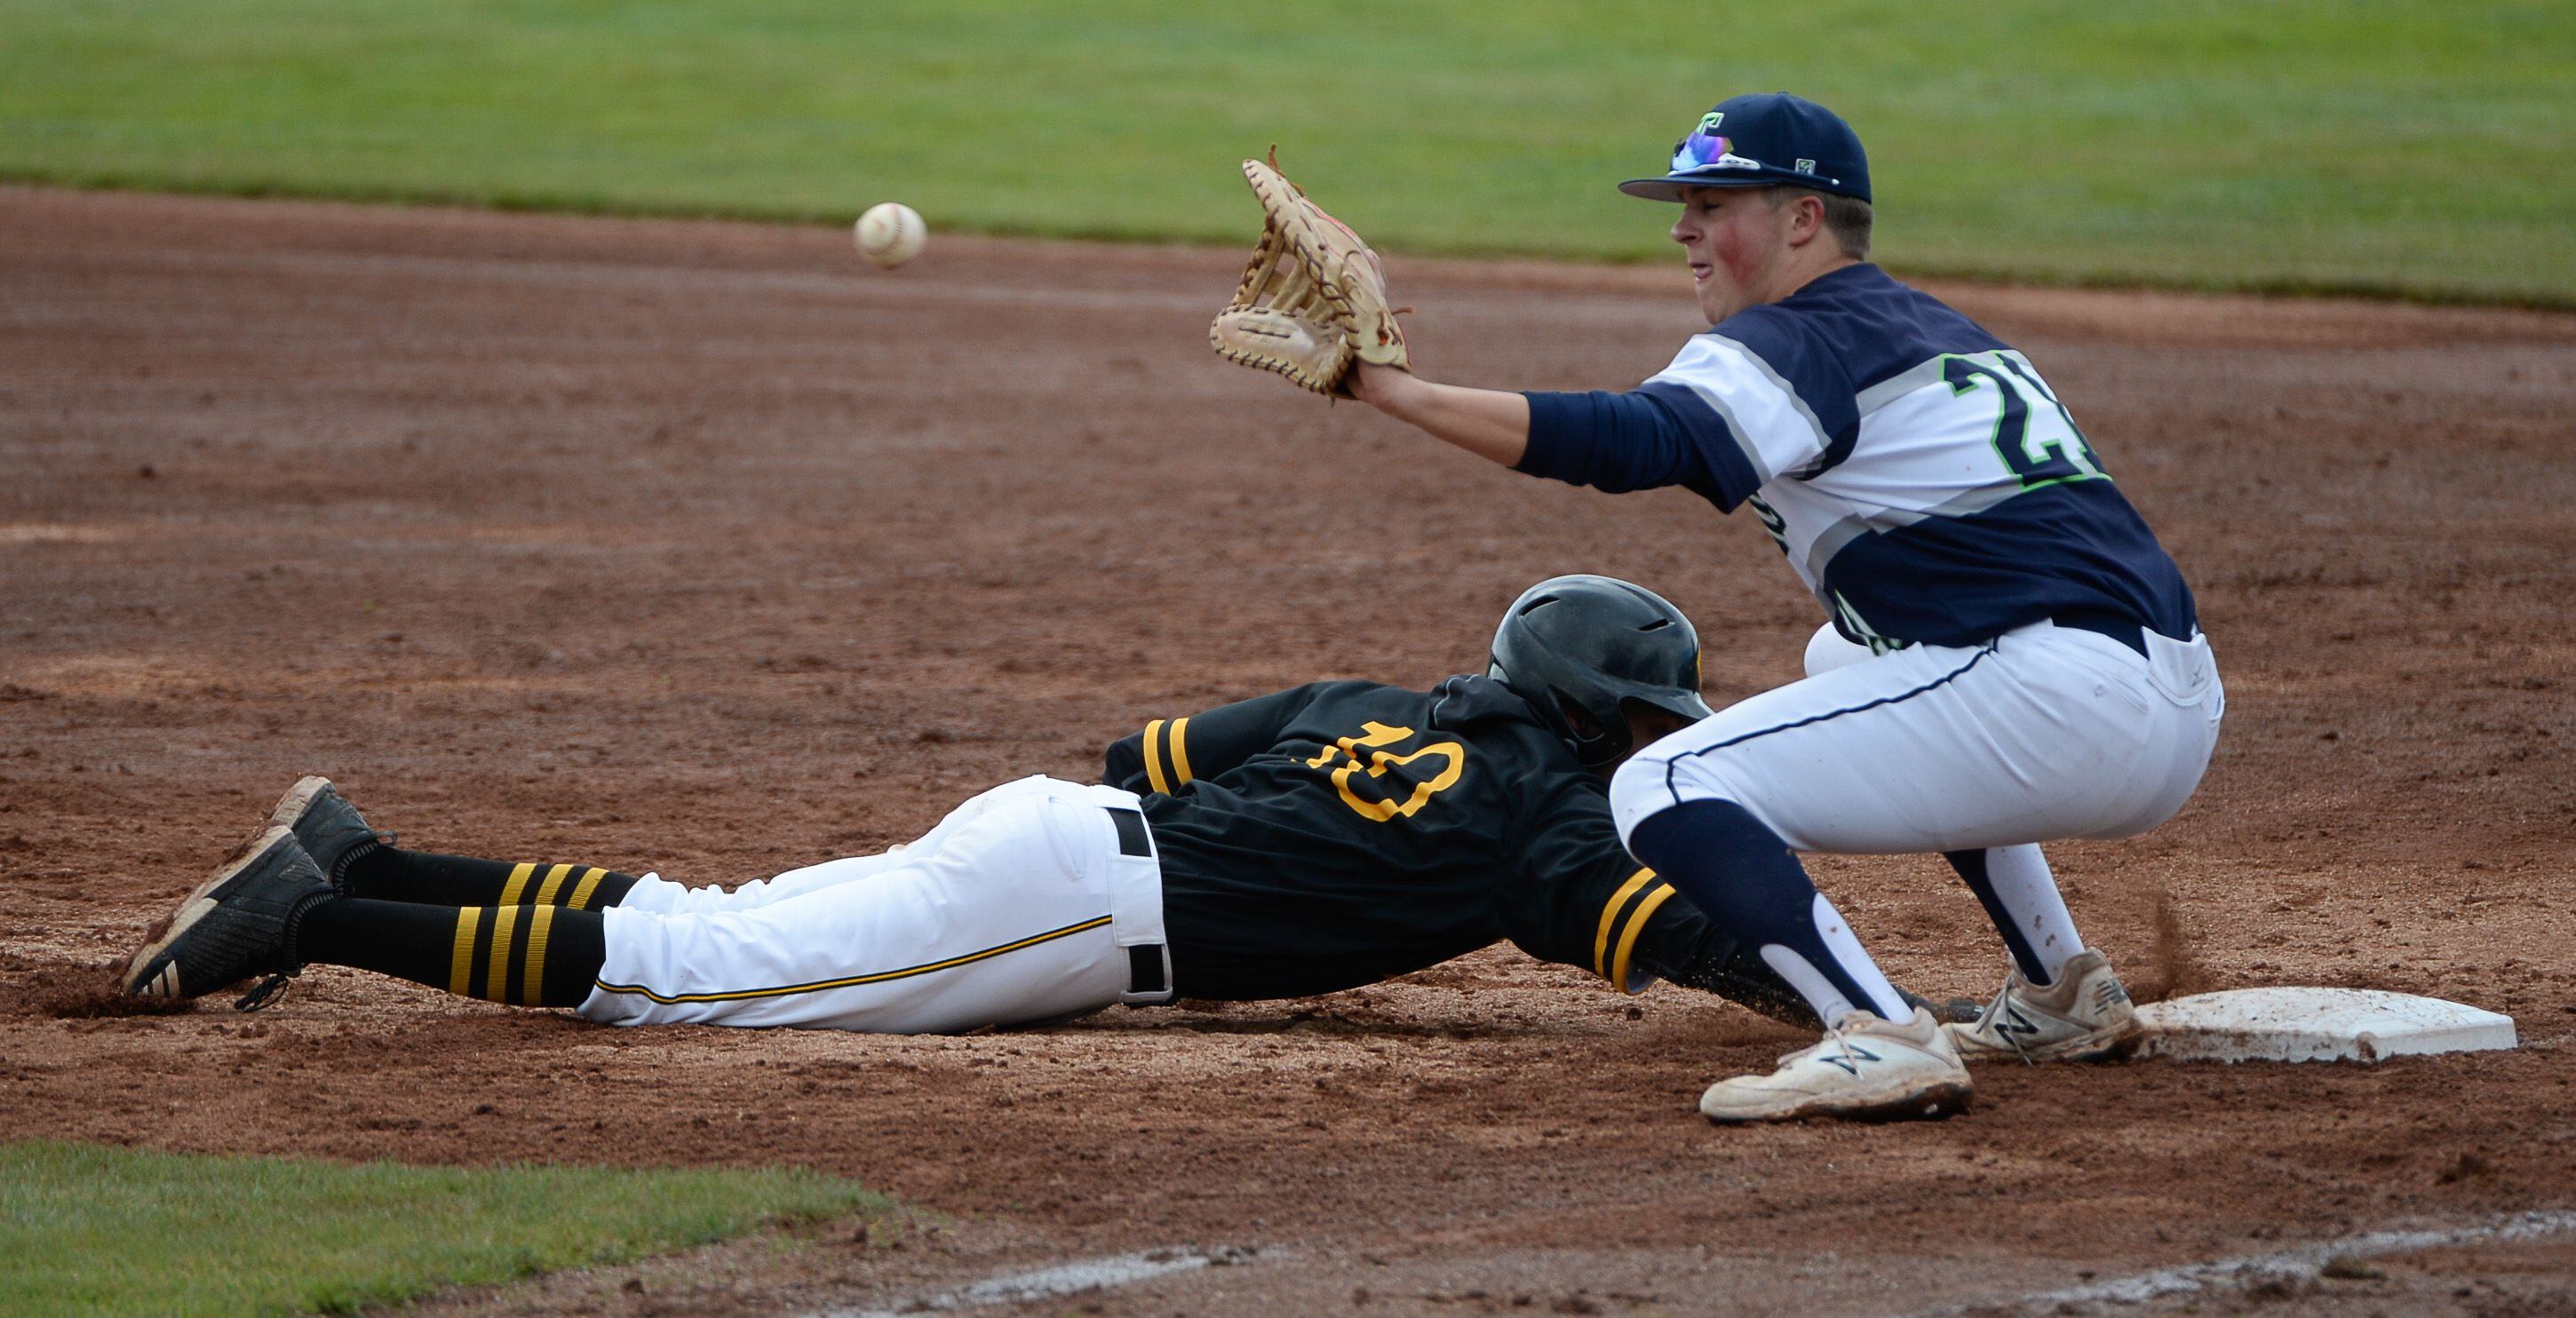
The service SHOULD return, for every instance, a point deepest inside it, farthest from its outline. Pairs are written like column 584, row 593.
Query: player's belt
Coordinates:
column 1146, row 976
column 1135, row 840
column 1149, row 965
column 2104, row 623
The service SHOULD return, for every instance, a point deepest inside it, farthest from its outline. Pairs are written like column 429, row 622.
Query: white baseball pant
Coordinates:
column 2045, row 732
column 1027, row 903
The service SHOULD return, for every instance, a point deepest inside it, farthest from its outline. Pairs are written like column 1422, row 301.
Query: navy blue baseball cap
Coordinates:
column 1764, row 140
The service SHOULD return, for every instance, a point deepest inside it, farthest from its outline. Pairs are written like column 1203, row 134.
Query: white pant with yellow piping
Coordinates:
column 1020, row 906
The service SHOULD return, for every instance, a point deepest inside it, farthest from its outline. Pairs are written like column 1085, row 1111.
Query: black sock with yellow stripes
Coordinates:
column 535, row 956
column 393, row 875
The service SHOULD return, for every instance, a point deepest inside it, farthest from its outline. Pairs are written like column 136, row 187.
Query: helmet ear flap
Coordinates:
column 1596, row 741
column 1578, row 720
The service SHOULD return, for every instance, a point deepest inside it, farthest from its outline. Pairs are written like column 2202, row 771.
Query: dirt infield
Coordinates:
column 703, row 548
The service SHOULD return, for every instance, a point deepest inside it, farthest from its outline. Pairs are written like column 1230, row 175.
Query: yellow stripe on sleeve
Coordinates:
column 1154, row 757
column 1636, row 925
column 1180, row 754
column 496, row 979
column 581, row 891
column 1610, row 912
column 540, row 920
column 554, row 880
column 518, row 882
column 460, row 965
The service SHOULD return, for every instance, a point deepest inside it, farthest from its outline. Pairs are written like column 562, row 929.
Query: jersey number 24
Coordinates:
column 2039, row 444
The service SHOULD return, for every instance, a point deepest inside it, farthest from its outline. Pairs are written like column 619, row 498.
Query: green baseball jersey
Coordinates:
column 1341, row 833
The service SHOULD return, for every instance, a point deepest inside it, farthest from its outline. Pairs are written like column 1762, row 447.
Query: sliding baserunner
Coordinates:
column 1311, row 840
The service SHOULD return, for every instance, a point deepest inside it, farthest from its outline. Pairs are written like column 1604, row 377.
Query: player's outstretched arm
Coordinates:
column 1486, row 422
column 1613, row 442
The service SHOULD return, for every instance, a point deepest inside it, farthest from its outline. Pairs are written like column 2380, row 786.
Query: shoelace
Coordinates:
column 274, row 987
column 1834, row 1039
column 1994, row 1012
column 264, row 992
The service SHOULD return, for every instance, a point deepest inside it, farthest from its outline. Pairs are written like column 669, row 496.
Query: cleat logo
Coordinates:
column 166, row 984
column 1850, row 1051
column 2013, row 1022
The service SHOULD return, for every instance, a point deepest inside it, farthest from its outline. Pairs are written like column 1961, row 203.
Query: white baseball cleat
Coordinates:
column 1866, row 1069
column 2084, row 1016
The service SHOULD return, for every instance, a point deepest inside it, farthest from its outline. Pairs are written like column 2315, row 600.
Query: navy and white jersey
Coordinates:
column 1925, row 482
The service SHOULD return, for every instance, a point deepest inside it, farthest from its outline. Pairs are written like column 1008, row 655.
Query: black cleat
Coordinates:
column 328, row 828
column 1963, row 1010
column 237, row 924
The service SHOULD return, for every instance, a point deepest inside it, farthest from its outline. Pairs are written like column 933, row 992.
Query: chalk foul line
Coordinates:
column 1063, row 1279
column 2300, row 1263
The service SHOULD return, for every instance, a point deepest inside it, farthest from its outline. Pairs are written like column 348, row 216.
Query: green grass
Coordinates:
column 88, row 1230
column 2409, row 147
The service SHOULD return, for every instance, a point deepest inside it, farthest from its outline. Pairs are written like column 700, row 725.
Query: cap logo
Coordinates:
column 1806, row 166
column 1700, row 152
column 1708, row 123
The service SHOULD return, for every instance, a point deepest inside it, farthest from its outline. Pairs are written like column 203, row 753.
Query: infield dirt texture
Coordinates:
column 702, row 548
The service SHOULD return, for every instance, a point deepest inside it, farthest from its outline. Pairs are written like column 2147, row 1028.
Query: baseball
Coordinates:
column 891, row 233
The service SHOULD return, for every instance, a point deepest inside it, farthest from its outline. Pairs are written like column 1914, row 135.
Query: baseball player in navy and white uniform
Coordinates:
column 1302, row 842
column 2019, row 660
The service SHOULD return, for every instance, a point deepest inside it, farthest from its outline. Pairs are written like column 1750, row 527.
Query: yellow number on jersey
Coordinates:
column 1377, row 762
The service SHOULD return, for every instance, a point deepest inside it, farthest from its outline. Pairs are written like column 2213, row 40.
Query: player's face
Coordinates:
column 1736, row 241
column 1648, row 725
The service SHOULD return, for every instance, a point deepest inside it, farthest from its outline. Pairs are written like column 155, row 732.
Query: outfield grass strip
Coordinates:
column 2376, row 147
column 86, row 1229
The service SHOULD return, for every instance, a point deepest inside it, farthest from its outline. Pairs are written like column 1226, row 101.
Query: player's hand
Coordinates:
column 1377, row 385
column 1313, row 297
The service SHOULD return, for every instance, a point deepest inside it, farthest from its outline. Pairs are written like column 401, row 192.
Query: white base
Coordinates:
column 2316, row 1025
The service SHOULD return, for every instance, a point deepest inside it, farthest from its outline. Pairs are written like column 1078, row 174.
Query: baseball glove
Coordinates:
column 1313, row 298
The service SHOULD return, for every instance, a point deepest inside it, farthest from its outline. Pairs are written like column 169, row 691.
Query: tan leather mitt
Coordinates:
column 1313, row 298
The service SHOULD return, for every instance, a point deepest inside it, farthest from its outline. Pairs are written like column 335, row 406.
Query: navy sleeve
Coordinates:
column 1634, row 441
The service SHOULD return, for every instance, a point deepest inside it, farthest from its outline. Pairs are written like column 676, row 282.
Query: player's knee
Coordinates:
column 1639, row 789
column 1649, row 784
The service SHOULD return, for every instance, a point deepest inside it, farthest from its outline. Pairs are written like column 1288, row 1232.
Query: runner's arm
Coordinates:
column 1579, row 899
column 1167, row 754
